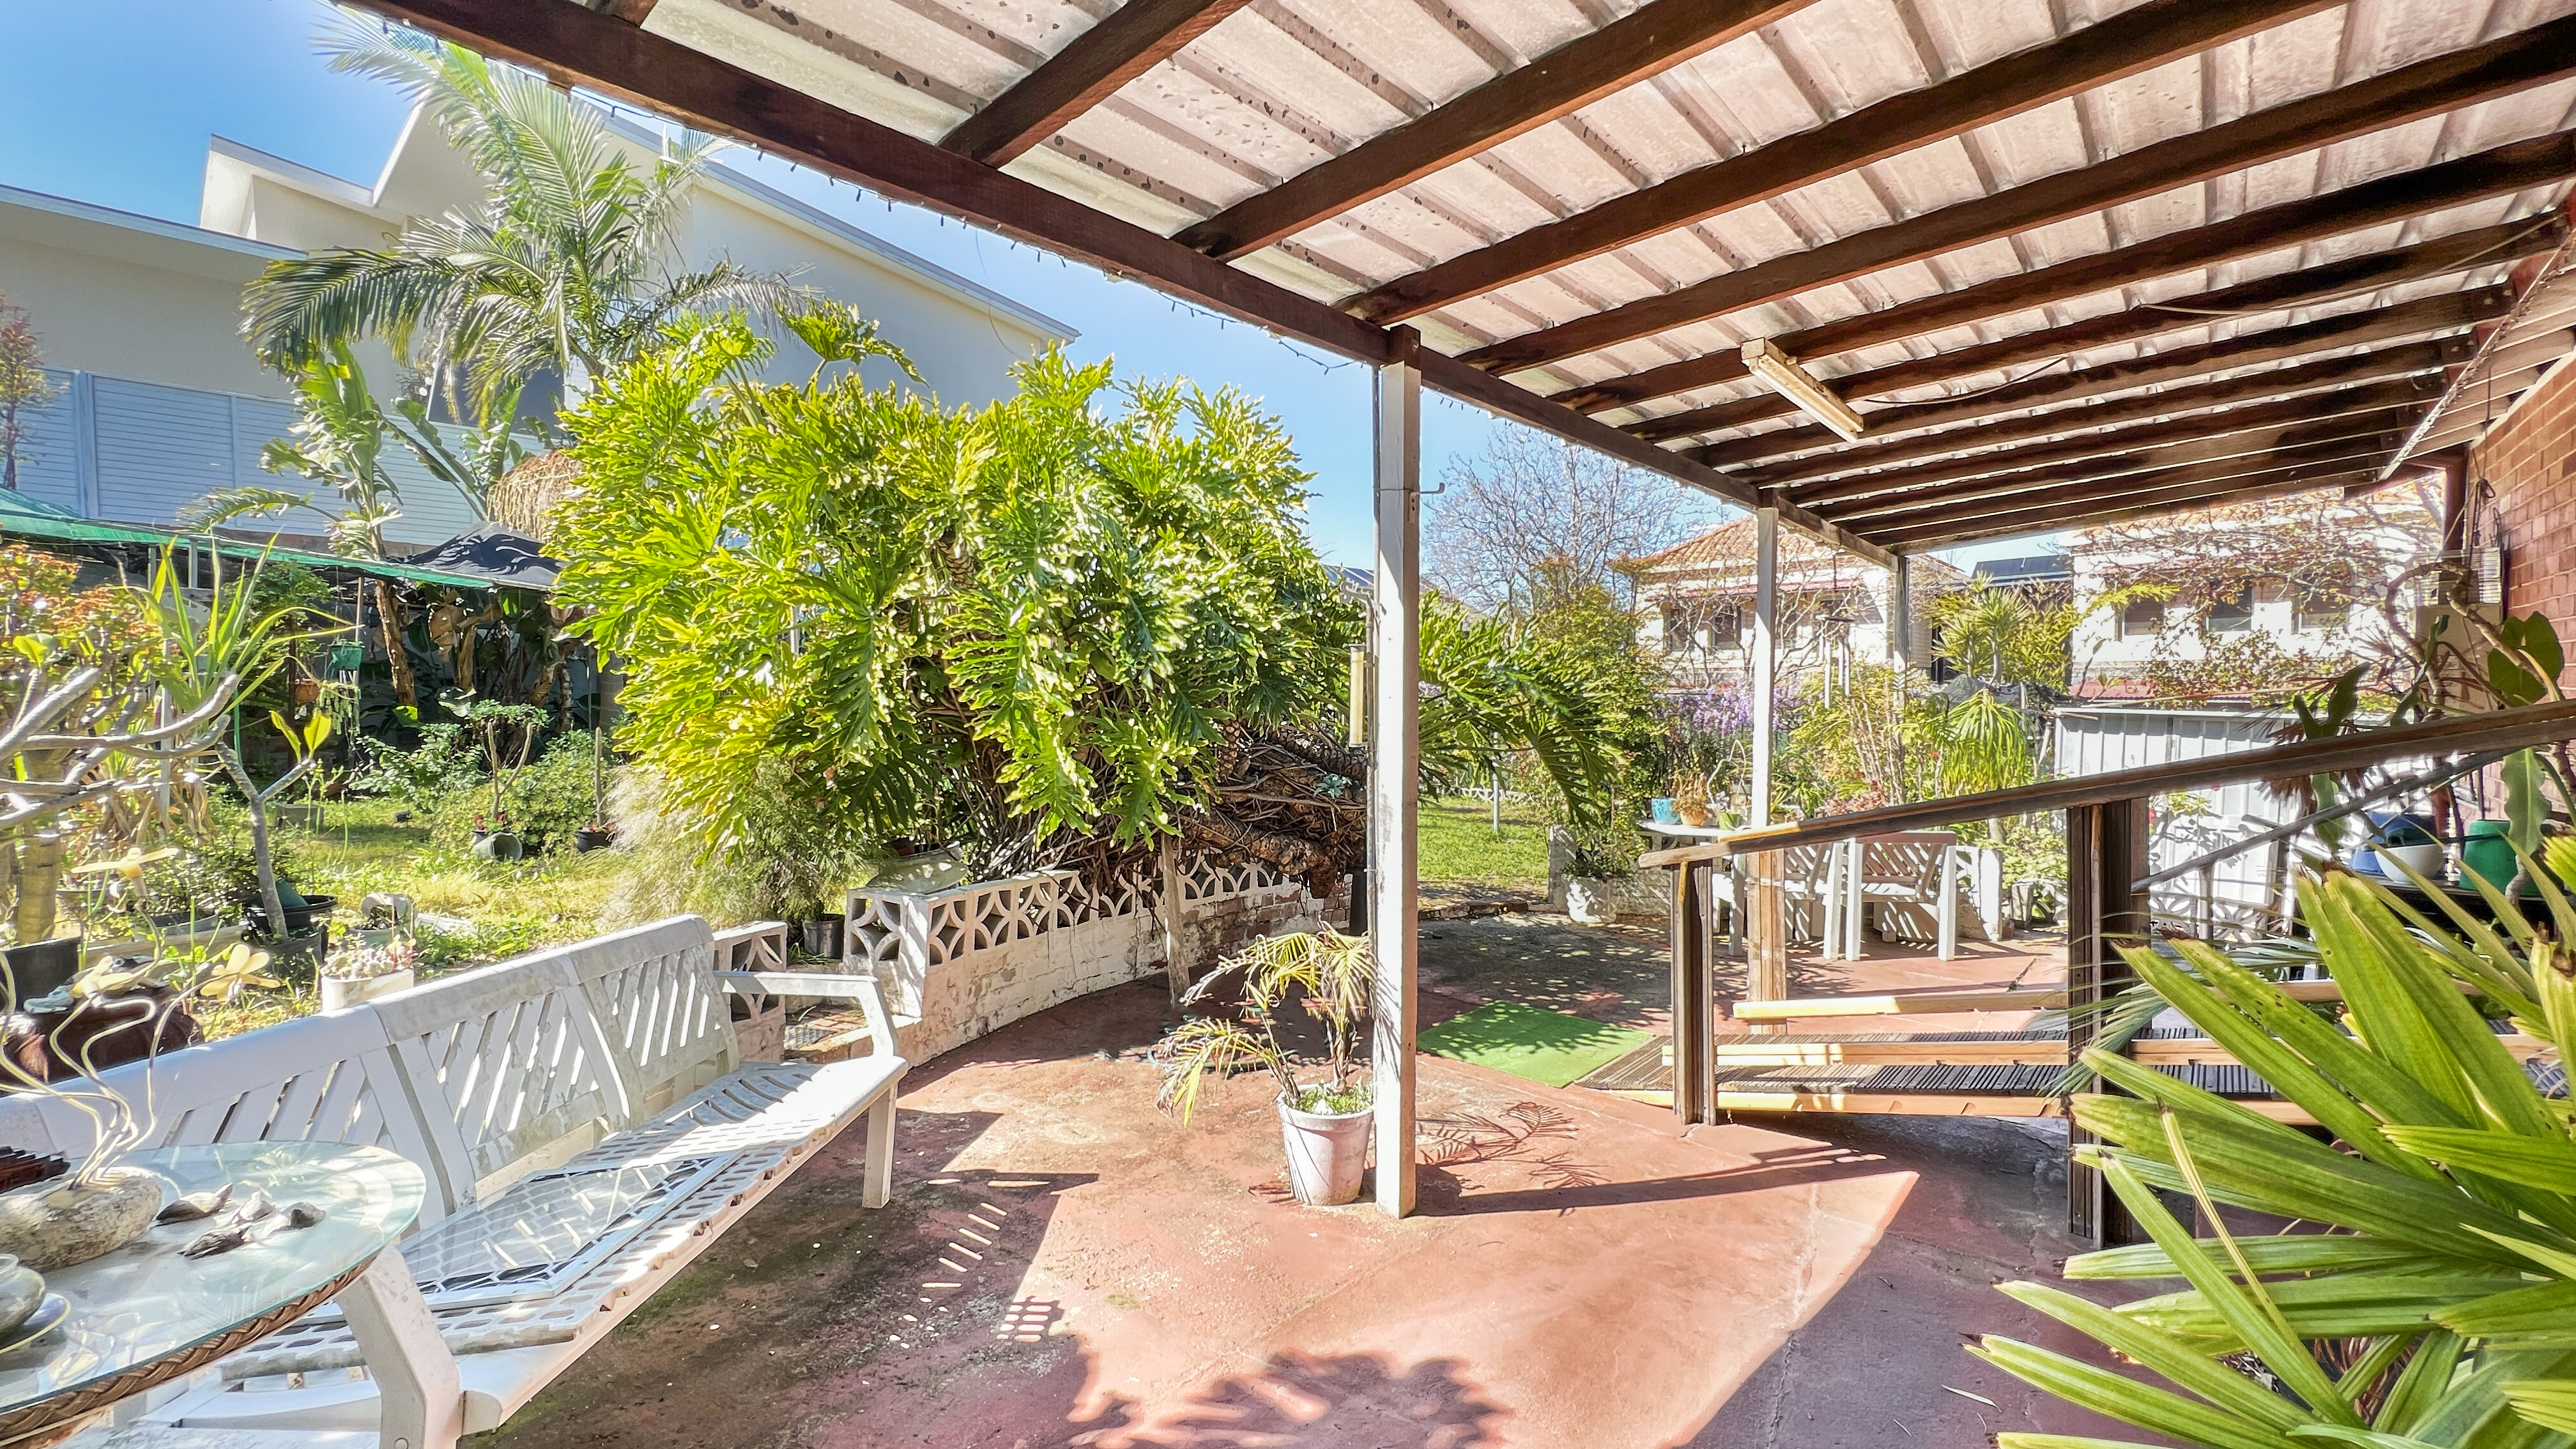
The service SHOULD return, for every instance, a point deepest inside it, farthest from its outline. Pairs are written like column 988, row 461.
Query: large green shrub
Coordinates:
column 2427, row 1294
column 986, row 627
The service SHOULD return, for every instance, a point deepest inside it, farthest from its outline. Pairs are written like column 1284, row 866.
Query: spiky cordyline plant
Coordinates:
column 1328, row 973
column 2439, row 1307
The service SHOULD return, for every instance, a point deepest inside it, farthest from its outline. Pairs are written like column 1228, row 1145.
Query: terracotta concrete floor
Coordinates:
column 1063, row 1265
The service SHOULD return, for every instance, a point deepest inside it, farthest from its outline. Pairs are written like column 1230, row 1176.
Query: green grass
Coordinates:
column 544, row 901
column 1457, row 843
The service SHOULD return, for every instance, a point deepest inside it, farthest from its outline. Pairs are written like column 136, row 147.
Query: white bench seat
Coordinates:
column 586, row 1129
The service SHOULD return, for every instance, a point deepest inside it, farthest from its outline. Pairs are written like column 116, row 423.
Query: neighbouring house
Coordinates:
column 1697, row 598
column 160, row 401
column 2045, row 577
column 2249, row 603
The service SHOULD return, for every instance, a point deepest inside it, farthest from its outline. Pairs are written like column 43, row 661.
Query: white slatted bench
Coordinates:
column 586, row 1130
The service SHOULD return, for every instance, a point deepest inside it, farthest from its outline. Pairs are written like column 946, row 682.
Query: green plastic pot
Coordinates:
column 2488, row 855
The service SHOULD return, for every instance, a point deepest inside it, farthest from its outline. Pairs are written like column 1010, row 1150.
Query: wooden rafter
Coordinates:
column 2080, row 503
column 1649, row 40
column 2248, row 300
column 575, row 46
column 2204, row 438
column 2335, row 372
column 2135, row 40
column 2502, row 171
column 1090, row 69
column 2450, row 312
column 2049, row 470
column 2501, row 67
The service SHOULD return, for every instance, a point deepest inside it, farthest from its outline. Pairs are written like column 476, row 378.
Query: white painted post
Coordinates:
column 1176, row 972
column 1766, row 655
column 1394, row 767
column 1900, row 613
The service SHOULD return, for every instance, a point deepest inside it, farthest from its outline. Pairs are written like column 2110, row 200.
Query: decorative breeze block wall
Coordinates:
column 963, row 962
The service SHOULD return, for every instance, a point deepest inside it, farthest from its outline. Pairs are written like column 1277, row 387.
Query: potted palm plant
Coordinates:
column 1324, row 1124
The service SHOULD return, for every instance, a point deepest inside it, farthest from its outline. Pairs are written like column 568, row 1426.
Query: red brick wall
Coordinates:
column 2530, row 462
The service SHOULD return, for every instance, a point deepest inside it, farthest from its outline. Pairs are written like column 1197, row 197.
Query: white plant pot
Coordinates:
column 1327, row 1153
column 337, row 993
column 1587, row 902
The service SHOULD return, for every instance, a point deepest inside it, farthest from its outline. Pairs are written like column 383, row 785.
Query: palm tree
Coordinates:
column 563, row 268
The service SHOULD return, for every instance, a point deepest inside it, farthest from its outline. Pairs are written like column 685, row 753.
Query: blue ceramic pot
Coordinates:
column 1662, row 809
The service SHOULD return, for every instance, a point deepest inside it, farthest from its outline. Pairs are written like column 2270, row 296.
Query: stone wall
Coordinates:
column 963, row 962
column 2530, row 462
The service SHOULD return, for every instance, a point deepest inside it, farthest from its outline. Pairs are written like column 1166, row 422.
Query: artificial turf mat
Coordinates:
column 1541, row 1046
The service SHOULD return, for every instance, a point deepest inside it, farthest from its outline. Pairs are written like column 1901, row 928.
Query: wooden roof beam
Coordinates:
column 2122, row 504
column 2308, row 377
column 2381, row 426
column 2452, row 312
column 1125, row 44
column 1649, row 40
column 2522, row 166
column 2501, row 67
column 575, row 46
column 2136, row 40
column 2275, row 293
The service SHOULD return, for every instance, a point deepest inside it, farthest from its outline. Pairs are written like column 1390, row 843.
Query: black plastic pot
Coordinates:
column 821, row 936
column 299, row 918
column 41, row 966
column 592, row 837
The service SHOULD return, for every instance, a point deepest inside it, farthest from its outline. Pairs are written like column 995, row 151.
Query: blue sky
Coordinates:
column 111, row 102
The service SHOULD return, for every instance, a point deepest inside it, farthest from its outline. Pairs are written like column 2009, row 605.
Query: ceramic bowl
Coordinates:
column 2424, row 860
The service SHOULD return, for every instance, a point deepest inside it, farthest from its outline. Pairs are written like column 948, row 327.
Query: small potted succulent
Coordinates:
column 1324, row 1125
column 368, row 969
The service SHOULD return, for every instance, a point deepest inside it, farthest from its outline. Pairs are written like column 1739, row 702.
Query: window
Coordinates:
column 1726, row 626
column 2142, row 619
column 1681, row 627
column 2315, row 608
column 2231, row 609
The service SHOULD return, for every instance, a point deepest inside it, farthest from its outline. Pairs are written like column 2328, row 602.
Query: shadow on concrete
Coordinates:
column 1325, row 1402
column 1439, row 1194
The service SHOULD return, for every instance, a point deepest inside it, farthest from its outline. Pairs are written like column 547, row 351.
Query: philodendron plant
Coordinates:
column 2429, row 1297
column 1327, row 973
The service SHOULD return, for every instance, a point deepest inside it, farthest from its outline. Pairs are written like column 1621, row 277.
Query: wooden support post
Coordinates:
column 2106, row 850
column 1395, row 767
column 1694, row 989
column 1766, row 952
column 1766, row 658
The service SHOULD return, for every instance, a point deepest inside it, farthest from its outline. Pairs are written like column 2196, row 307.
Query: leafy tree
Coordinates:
column 23, row 386
column 1534, row 518
column 1002, row 628
column 563, row 269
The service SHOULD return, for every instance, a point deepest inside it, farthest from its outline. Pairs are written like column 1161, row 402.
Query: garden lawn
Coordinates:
column 542, row 901
column 1458, row 846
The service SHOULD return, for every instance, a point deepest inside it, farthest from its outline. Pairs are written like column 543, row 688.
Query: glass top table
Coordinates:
column 143, row 1306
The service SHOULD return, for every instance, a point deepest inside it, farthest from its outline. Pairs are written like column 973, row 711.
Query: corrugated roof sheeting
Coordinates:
column 1279, row 87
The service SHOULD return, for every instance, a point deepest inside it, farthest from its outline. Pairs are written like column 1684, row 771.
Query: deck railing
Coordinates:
column 2108, row 875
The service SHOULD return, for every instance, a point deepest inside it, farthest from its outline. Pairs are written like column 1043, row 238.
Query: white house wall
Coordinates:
column 128, row 296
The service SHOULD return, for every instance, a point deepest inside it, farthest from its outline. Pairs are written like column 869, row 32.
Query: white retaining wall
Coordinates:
column 963, row 962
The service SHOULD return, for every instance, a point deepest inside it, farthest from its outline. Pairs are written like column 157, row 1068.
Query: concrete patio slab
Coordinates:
column 1063, row 1265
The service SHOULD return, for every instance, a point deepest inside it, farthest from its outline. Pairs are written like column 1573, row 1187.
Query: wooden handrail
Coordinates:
column 2504, row 729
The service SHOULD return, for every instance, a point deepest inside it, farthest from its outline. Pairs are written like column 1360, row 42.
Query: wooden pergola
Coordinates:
column 2053, row 269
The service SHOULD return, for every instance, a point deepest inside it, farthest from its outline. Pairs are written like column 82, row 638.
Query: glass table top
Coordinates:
column 143, row 1302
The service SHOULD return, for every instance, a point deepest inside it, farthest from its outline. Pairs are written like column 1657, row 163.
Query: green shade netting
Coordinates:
column 1540, row 1046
